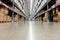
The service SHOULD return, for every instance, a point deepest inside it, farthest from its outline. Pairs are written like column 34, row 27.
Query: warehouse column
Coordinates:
column 13, row 15
column 48, row 14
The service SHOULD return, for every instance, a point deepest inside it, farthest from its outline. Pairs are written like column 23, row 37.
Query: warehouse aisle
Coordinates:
column 30, row 30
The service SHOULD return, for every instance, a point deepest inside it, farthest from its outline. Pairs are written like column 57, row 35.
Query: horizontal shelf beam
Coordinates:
column 54, row 6
column 12, row 9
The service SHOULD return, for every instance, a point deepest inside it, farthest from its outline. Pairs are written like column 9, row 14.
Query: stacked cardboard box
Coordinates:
column 38, row 18
column 16, row 18
column 1, row 14
column 58, row 16
column 57, row 12
column 46, row 17
column 4, row 17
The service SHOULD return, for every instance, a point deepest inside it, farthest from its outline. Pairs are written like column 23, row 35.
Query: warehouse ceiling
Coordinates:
column 27, row 6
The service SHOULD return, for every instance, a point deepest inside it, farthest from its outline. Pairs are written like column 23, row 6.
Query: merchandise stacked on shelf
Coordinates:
column 51, row 14
column 6, row 12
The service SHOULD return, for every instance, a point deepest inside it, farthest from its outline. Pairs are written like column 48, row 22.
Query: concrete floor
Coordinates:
column 30, row 30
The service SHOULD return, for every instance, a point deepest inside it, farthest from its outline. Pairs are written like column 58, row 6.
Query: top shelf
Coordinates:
column 10, row 8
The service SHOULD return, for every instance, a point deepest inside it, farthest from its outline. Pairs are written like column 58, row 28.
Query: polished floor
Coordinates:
column 30, row 30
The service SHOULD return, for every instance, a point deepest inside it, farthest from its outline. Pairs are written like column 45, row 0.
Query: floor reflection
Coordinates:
column 30, row 30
